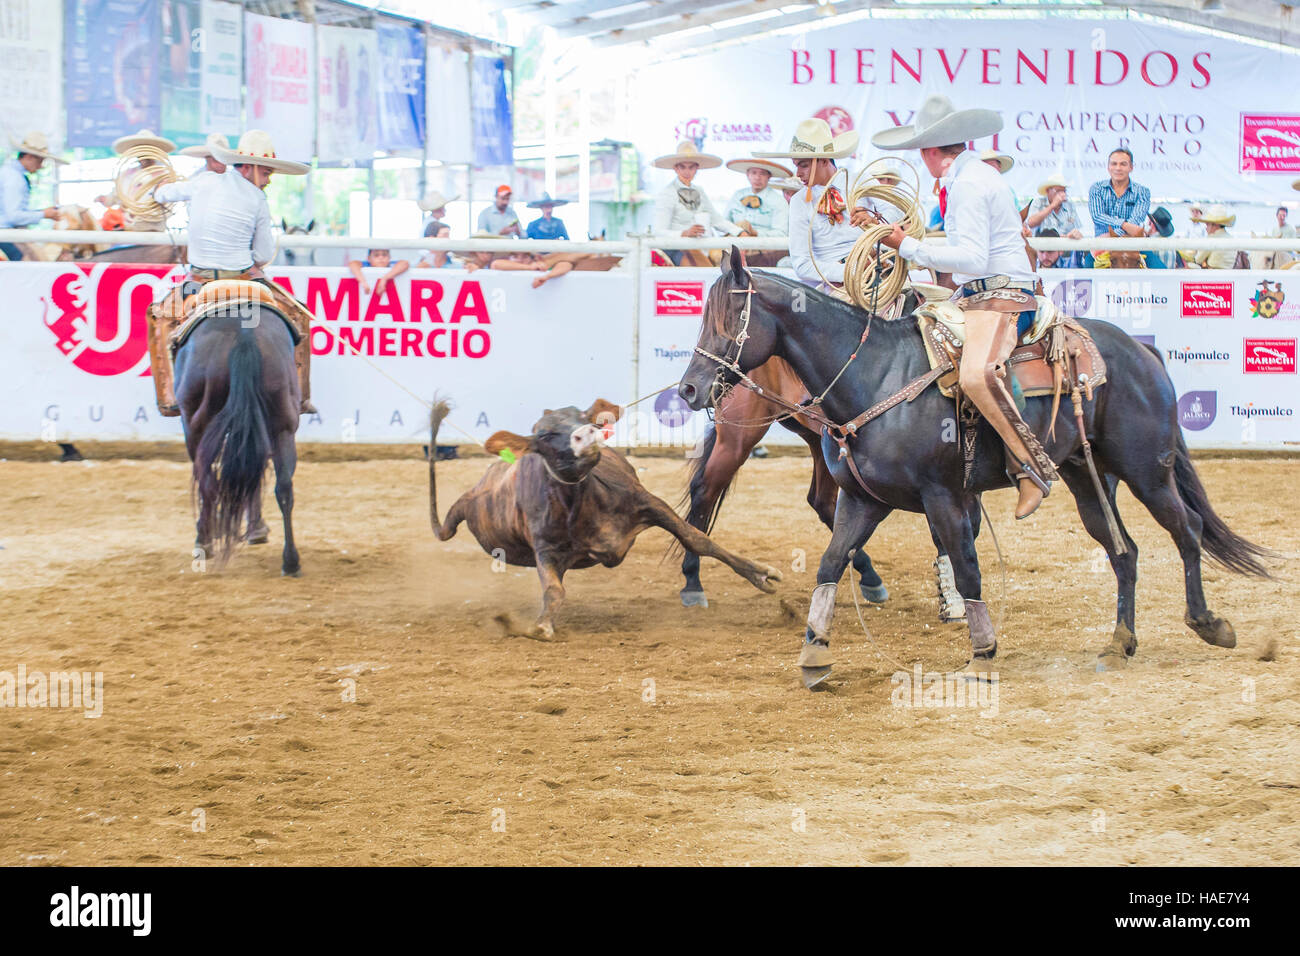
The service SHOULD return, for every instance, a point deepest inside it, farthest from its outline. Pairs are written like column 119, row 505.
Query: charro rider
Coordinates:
column 818, row 254
column 125, row 184
column 985, row 253
column 211, row 165
column 229, row 238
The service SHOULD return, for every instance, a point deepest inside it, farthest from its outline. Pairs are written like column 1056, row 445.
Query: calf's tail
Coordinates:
column 441, row 409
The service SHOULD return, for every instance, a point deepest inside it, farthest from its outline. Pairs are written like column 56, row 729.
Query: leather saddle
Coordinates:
column 197, row 302
column 1054, row 342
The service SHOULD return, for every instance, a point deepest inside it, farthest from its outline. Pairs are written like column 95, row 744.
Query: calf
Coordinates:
column 564, row 502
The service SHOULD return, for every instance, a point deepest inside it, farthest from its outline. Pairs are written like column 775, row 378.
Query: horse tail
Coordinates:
column 232, row 454
column 441, row 409
column 1217, row 540
column 695, row 481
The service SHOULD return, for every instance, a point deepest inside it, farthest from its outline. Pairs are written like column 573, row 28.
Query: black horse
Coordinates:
column 238, row 392
column 909, row 460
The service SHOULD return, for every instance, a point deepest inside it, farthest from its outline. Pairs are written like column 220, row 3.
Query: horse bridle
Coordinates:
column 718, row 390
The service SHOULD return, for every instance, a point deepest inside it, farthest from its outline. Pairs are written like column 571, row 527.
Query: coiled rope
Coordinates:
column 874, row 273
column 135, row 182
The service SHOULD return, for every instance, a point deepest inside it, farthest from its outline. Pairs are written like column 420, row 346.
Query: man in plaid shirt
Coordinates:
column 1120, row 205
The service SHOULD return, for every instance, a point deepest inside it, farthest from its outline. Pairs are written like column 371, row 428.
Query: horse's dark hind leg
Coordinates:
column 1123, row 644
column 285, row 458
column 258, row 532
column 951, row 524
column 1160, row 496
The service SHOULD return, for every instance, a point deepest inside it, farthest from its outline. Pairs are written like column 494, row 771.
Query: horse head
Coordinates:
column 736, row 336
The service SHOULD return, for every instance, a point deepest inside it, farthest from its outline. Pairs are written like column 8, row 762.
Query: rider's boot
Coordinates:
column 160, row 325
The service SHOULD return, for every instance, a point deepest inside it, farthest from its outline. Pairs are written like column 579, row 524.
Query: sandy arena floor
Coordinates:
column 226, row 737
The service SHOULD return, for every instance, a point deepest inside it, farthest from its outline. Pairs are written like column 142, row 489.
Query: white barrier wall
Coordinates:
column 503, row 351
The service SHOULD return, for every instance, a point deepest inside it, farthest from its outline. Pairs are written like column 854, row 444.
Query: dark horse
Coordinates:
column 908, row 460
column 741, row 421
column 238, row 391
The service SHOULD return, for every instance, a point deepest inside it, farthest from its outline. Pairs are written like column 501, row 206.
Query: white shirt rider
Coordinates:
column 230, row 221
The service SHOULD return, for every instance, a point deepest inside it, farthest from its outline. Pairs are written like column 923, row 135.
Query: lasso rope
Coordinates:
column 873, row 272
column 136, row 182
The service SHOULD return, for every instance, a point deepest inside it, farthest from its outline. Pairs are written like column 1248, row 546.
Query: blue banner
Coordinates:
column 111, row 52
column 401, row 87
column 493, row 128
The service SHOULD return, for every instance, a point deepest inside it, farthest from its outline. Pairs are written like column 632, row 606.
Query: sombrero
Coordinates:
column 688, row 153
column 37, row 144
column 435, row 200
column 787, row 185
column 145, row 137
column 255, row 149
column 1162, row 220
column 813, row 139
column 938, row 123
column 1004, row 161
column 767, row 166
column 1296, row 184
column 1218, row 215
column 1056, row 179
column 204, row 149
column 546, row 200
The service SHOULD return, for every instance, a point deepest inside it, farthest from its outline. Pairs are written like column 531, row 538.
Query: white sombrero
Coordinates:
column 204, row 149
column 688, row 153
column 938, row 123
column 814, row 139
column 37, row 144
column 1056, row 179
column 1004, row 161
column 435, row 200
column 767, row 166
column 255, row 149
column 146, row 137
column 788, row 185
column 1218, row 215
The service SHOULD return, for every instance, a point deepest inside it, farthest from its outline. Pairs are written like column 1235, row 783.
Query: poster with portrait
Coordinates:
column 401, row 87
column 112, row 81
column 280, row 74
column 347, row 101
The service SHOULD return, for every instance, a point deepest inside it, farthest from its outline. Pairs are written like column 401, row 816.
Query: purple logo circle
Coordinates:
column 671, row 410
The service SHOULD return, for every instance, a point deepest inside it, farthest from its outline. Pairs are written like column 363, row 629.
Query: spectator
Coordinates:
column 1053, row 210
column 499, row 219
column 528, row 262
column 999, row 161
column 758, row 209
column 16, row 188
column 1197, row 229
column 547, row 227
column 435, row 204
column 378, row 259
column 1282, row 230
column 1053, row 258
column 129, row 182
column 787, row 187
column 204, row 152
column 681, row 208
column 437, row 258
column 1119, row 206
column 1160, row 222
column 1216, row 222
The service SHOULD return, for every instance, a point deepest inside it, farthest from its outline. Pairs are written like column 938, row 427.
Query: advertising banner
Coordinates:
column 449, row 138
column 347, row 100
column 222, row 59
column 112, row 79
column 182, row 58
column 401, row 87
column 31, row 75
column 501, row 351
column 280, row 73
column 493, row 126
column 1195, row 109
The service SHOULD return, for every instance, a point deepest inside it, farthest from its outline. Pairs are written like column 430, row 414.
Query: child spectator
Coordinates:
column 378, row 259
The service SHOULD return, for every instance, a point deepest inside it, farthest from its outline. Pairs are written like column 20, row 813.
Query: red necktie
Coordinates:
column 943, row 201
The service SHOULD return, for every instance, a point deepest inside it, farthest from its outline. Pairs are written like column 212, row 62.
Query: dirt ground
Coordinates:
column 647, row 732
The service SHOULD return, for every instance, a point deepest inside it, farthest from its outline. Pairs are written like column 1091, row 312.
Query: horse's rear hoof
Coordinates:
column 694, row 599
column 291, row 572
column 813, row 676
column 260, row 536
column 878, row 594
column 1213, row 630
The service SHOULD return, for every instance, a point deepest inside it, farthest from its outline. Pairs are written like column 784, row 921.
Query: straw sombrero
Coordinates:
column 1218, row 215
column 745, row 165
column 814, row 139
column 546, row 200
column 688, row 153
column 1004, row 161
column 204, row 149
column 787, row 185
column 255, row 149
column 146, row 137
column 1056, row 179
column 435, row 200
column 939, row 123
column 1296, row 184
column 37, row 144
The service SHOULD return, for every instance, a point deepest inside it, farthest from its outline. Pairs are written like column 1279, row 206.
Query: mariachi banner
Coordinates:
column 76, row 366
column 1196, row 110
column 280, row 73
column 112, row 81
column 493, row 127
column 222, row 59
column 181, row 58
column 450, row 137
column 31, row 76
column 401, row 87
column 347, row 101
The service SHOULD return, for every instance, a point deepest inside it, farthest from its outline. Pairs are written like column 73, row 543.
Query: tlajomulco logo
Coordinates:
column 1206, row 300
column 1201, row 356
column 679, row 298
column 1196, row 410
column 1274, row 356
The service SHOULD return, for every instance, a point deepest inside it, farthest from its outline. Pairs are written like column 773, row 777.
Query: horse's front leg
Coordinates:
column 285, row 458
column 855, row 519
column 950, row 522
